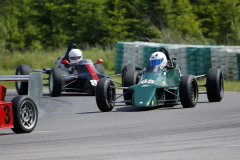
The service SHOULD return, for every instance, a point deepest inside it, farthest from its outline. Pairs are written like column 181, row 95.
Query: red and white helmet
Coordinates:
column 75, row 55
column 158, row 58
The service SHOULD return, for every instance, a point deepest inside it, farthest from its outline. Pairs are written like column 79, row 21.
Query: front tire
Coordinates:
column 55, row 82
column 188, row 91
column 22, row 87
column 25, row 114
column 105, row 94
column 215, row 85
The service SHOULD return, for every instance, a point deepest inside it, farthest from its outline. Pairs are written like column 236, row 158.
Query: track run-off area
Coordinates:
column 72, row 127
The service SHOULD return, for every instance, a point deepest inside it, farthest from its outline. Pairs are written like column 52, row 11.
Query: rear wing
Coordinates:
column 35, row 85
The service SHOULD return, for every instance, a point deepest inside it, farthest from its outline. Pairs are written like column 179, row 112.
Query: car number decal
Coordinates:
column 147, row 81
column 93, row 82
column 6, row 115
column 7, row 120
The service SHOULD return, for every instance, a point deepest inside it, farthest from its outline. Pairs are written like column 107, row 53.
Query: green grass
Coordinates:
column 117, row 79
column 228, row 85
column 232, row 85
column 46, row 59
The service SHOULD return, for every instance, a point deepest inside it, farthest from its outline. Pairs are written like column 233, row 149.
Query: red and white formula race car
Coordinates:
column 21, row 114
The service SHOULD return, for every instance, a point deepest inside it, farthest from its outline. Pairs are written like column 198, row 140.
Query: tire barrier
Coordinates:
column 193, row 59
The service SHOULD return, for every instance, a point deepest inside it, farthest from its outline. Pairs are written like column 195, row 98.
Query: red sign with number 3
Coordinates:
column 6, row 117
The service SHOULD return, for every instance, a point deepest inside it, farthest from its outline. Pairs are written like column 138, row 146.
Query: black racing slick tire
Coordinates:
column 22, row 87
column 215, row 85
column 55, row 82
column 130, row 78
column 188, row 91
column 100, row 68
column 128, row 67
column 105, row 94
column 25, row 114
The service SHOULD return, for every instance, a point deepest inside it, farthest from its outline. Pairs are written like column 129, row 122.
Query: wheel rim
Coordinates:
column 51, row 83
column 18, row 82
column 28, row 114
column 110, row 95
column 193, row 90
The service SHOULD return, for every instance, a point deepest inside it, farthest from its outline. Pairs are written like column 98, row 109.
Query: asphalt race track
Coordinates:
column 72, row 127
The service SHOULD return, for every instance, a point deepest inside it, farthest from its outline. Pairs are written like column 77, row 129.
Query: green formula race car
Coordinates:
column 159, row 84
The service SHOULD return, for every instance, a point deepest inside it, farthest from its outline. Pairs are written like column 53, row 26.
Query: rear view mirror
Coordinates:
column 65, row 62
column 100, row 61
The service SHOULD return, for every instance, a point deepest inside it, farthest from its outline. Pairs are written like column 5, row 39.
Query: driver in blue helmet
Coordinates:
column 157, row 62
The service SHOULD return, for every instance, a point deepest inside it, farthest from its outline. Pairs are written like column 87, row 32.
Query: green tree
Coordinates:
column 228, row 22
column 157, row 13
column 34, row 24
column 49, row 22
column 219, row 20
column 116, row 24
column 86, row 22
column 235, row 24
column 10, row 30
column 184, row 20
column 127, row 22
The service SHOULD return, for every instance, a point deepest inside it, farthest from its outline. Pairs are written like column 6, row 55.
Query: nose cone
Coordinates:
column 144, row 95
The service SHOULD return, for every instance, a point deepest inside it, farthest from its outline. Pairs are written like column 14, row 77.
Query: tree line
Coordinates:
column 43, row 24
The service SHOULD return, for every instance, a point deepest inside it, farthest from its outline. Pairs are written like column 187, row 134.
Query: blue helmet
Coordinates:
column 158, row 59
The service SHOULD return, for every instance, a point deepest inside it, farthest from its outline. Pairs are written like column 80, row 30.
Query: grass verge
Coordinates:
column 46, row 59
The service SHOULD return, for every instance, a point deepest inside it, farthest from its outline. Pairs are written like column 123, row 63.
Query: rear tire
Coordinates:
column 188, row 91
column 100, row 68
column 25, row 114
column 22, row 87
column 128, row 67
column 130, row 78
column 105, row 94
column 215, row 85
column 55, row 82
